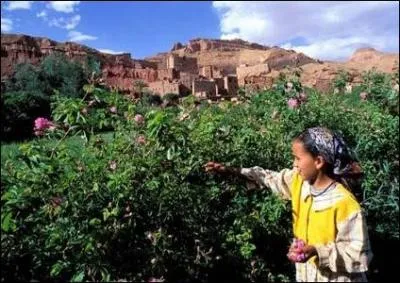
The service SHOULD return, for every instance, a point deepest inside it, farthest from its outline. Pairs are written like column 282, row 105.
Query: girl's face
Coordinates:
column 307, row 165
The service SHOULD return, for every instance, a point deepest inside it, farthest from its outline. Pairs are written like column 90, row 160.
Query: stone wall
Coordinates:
column 165, row 86
column 182, row 64
column 187, row 79
column 243, row 72
column 204, row 88
column 219, row 82
column 167, row 74
column 231, row 85
column 206, row 71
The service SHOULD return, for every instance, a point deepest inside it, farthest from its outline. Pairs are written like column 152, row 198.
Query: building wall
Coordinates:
column 167, row 74
column 248, row 71
column 187, row 79
column 204, row 89
column 231, row 85
column 163, row 87
column 183, row 64
column 206, row 71
column 220, row 86
column 257, row 82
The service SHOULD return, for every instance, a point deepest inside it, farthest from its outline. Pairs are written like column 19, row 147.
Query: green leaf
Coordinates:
column 95, row 221
column 78, row 277
column 5, row 222
column 95, row 187
column 170, row 153
column 56, row 269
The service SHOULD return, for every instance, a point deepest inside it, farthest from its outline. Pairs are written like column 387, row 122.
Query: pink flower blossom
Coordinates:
column 297, row 254
column 363, row 95
column 141, row 139
column 113, row 165
column 303, row 97
column 41, row 125
column 113, row 109
column 293, row 103
column 139, row 119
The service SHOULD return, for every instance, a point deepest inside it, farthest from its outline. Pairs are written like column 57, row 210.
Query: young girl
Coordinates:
column 326, row 216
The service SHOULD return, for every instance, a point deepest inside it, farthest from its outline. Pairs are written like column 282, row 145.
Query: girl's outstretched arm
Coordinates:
column 278, row 182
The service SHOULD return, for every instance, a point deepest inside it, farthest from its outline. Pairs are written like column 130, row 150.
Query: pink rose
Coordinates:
column 41, row 125
column 139, row 119
column 113, row 165
column 363, row 95
column 141, row 139
column 303, row 97
column 293, row 103
column 297, row 254
column 113, row 109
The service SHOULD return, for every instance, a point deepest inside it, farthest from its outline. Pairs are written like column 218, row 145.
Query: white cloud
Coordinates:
column 78, row 36
column 70, row 23
column 42, row 14
column 63, row 6
column 110, row 51
column 6, row 24
column 339, row 48
column 16, row 5
column 324, row 30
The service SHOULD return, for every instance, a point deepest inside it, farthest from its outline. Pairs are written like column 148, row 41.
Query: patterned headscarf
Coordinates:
column 334, row 150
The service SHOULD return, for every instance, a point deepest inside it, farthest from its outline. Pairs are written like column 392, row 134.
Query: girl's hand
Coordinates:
column 215, row 167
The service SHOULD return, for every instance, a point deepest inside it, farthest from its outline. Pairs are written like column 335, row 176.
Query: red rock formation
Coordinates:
column 118, row 70
column 222, row 56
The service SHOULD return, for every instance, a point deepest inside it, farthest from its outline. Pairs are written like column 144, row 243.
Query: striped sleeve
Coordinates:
column 351, row 250
column 278, row 182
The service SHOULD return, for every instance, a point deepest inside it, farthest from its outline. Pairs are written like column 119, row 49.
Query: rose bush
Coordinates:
column 140, row 207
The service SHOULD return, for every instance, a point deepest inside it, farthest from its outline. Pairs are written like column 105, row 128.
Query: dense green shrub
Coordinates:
column 142, row 206
column 27, row 94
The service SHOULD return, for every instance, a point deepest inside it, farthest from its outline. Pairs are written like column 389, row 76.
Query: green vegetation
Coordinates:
column 142, row 206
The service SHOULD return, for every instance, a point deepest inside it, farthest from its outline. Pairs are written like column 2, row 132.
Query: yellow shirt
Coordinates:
column 332, row 222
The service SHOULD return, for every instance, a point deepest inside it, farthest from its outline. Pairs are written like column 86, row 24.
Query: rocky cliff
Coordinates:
column 118, row 70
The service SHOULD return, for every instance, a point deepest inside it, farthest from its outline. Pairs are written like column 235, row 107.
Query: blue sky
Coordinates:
column 324, row 30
